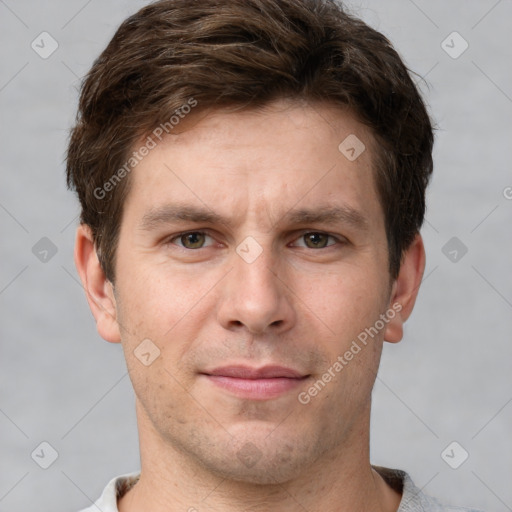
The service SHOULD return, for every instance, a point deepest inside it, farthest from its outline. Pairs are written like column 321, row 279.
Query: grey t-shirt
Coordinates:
column 413, row 499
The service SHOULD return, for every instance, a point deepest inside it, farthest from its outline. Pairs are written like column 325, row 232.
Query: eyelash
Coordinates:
column 303, row 234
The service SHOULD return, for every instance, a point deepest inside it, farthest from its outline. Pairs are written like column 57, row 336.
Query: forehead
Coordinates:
column 270, row 160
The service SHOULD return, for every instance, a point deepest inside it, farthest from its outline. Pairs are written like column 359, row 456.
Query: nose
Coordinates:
column 256, row 296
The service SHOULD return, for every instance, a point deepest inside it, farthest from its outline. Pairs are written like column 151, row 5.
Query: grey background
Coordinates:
column 449, row 380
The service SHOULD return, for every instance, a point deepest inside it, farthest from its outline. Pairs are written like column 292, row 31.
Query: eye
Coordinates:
column 198, row 240
column 317, row 240
column 190, row 240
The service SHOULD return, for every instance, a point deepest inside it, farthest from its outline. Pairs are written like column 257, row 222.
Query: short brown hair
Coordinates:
column 246, row 53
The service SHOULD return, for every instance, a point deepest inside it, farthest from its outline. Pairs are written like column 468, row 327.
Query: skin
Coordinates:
column 297, row 304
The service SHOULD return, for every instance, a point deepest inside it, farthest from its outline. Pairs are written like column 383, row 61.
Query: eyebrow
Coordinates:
column 169, row 214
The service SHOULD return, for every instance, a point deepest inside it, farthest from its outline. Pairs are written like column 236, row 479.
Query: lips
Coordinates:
column 255, row 383
column 267, row 372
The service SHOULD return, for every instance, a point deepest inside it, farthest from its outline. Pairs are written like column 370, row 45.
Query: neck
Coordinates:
column 342, row 480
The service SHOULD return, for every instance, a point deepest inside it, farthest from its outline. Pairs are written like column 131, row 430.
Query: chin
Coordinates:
column 258, row 460
column 266, row 471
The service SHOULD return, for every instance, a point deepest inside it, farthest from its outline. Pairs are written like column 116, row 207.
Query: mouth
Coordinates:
column 256, row 383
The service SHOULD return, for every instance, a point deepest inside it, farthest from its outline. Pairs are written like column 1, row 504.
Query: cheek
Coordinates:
column 161, row 393
column 346, row 302
column 162, row 313
column 158, row 297
column 346, row 396
column 155, row 341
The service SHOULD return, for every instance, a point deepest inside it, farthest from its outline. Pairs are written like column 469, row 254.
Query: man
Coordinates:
column 252, row 178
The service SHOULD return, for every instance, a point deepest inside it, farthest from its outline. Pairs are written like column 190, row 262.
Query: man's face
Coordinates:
column 255, row 276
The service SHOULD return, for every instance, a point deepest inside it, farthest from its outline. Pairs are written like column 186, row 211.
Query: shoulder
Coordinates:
column 413, row 498
column 116, row 488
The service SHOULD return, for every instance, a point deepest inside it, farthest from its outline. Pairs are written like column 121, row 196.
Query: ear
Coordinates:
column 405, row 289
column 98, row 289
